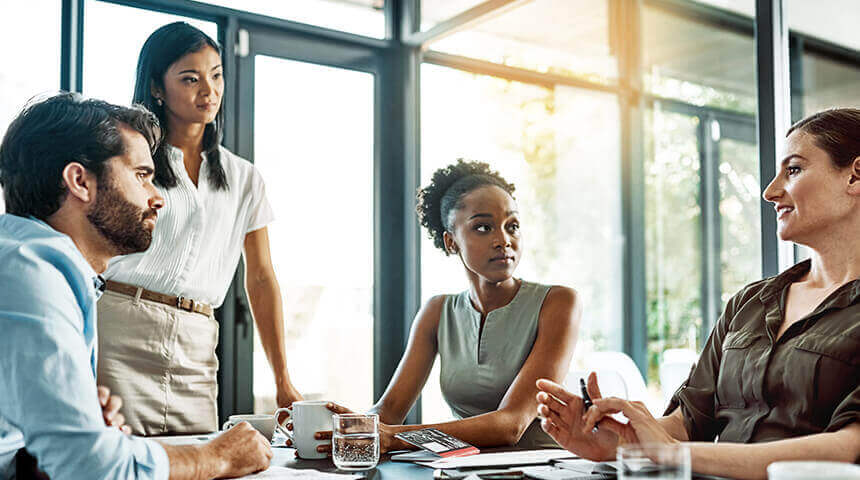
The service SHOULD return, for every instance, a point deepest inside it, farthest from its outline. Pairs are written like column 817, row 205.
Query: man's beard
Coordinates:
column 119, row 221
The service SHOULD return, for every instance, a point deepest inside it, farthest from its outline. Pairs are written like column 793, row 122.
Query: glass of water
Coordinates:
column 355, row 441
column 654, row 461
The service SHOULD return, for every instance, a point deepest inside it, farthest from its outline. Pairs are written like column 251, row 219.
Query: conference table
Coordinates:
column 385, row 470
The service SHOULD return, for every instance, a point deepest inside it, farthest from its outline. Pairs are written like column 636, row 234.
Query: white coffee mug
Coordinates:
column 265, row 424
column 798, row 470
column 308, row 417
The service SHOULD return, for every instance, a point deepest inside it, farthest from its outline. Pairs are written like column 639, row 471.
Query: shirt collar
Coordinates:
column 174, row 154
column 848, row 294
column 83, row 264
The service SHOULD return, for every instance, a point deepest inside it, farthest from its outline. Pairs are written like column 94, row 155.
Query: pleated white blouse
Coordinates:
column 200, row 232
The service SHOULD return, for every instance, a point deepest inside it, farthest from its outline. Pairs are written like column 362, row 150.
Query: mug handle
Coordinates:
column 228, row 425
column 282, row 427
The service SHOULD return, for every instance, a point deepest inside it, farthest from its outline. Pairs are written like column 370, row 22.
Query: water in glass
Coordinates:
column 355, row 441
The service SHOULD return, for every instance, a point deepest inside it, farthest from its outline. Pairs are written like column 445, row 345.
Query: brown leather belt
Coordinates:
column 181, row 303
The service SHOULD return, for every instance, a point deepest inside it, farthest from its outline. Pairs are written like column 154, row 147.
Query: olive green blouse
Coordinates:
column 748, row 387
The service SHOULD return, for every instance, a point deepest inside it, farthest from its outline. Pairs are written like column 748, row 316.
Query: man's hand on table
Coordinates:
column 110, row 410
column 242, row 451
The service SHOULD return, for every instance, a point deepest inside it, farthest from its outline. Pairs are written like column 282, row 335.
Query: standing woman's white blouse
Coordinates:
column 197, row 258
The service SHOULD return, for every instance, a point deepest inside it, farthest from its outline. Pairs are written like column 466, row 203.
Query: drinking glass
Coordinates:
column 654, row 461
column 355, row 441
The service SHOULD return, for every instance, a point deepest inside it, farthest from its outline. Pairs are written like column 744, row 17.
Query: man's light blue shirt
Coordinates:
column 48, row 398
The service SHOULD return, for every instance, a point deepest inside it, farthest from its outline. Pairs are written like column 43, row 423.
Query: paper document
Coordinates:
column 579, row 465
column 290, row 473
column 526, row 457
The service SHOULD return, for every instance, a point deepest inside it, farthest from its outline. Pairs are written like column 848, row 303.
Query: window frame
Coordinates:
column 397, row 135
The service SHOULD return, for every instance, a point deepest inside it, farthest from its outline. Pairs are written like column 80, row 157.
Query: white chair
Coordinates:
column 675, row 365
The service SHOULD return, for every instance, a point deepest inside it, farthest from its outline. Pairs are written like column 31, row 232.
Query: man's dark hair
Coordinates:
column 53, row 132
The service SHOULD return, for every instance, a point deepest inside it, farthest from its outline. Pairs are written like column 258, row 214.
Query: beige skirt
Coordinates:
column 161, row 361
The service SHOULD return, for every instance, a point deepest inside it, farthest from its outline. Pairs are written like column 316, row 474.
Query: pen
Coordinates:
column 586, row 399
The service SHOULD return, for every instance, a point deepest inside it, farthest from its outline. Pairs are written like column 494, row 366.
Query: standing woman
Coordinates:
column 157, row 332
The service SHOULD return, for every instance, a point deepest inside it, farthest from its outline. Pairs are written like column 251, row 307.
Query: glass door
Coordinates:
column 702, row 218
column 309, row 129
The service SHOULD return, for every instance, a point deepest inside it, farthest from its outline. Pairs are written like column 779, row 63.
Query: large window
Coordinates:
column 113, row 37
column 828, row 83
column 672, row 218
column 30, row 56
column 702, row 188
column 560, row 147
column 563, row 37
column 531, row 87
column 318, row 166
column 697, row 63
column 363, row 17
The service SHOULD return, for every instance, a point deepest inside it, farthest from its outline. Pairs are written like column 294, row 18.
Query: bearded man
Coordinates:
column 77, row 179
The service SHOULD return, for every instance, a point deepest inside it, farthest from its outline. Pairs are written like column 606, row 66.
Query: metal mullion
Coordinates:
column 235, row 345
column 522, row 75
column 631, row 105
column 709, row 203
column 796, row 47
column 829, row 49
column 409, row 17
column 682, row 107
column 272, row 42
column 795, row 71
column 773, row 119
column 470, row 17
column 72, row 46
column 396, row 250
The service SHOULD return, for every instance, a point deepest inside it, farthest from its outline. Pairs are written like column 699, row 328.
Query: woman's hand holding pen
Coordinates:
column 642, row 427
column 573, row 427
column 563, row 420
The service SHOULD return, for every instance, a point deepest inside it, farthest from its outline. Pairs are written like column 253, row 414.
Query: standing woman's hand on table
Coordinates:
column 110, row 410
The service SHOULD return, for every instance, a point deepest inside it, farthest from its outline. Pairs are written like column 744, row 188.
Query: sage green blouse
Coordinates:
column 478, row 367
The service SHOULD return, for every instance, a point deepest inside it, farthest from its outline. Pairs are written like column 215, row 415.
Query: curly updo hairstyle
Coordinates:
column 445, row 193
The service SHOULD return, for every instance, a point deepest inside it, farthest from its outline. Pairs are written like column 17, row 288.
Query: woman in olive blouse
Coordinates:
column 781, row 368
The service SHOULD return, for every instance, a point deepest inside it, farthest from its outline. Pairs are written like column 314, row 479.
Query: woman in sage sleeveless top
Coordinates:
column 478, row 367
column 496, row 338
